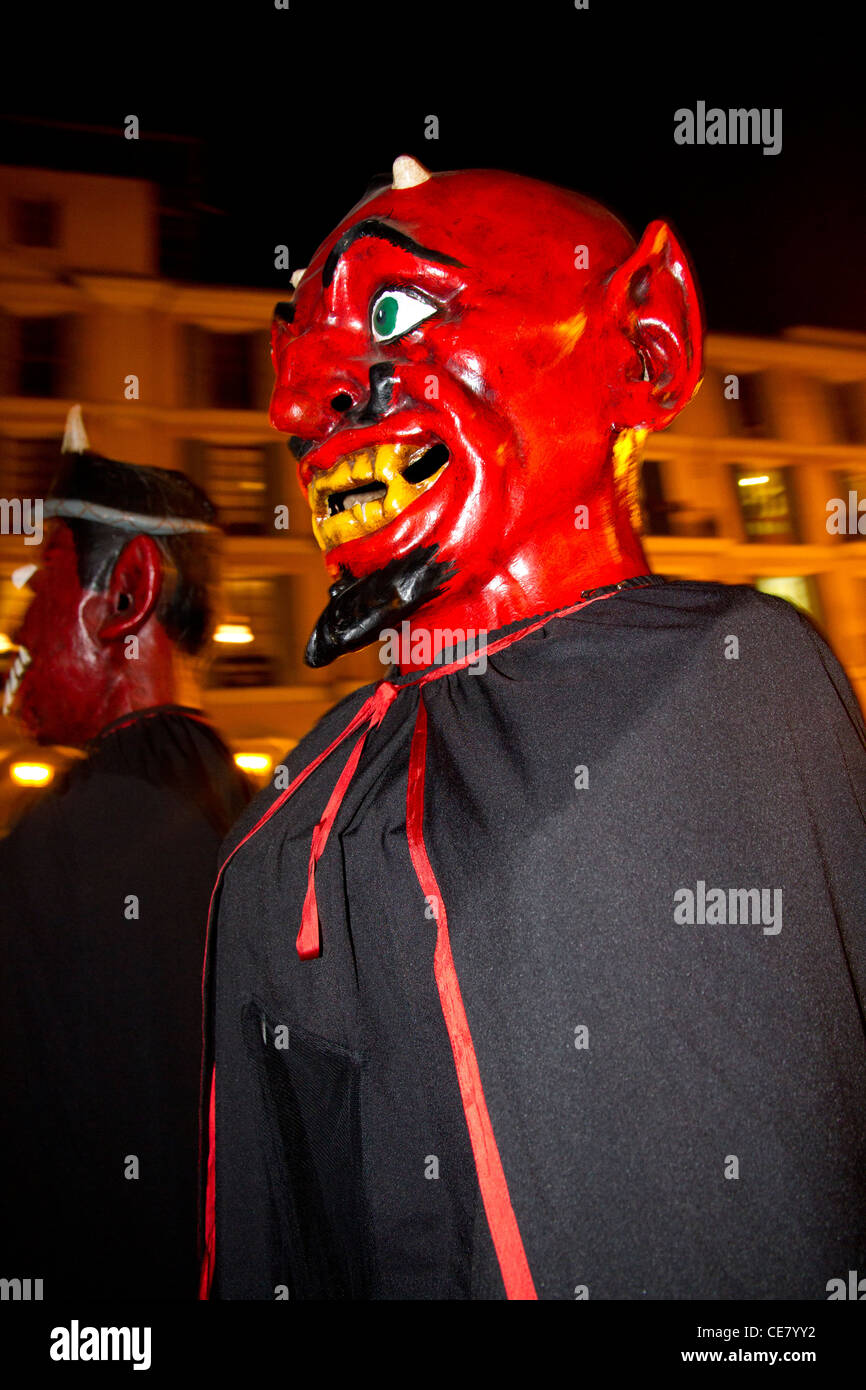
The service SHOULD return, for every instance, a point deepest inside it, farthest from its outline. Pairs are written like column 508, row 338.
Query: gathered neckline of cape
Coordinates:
column 125, row 721
column 522, row 627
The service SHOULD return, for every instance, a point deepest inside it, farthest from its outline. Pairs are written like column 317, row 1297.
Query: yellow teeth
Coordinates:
column 384, row 464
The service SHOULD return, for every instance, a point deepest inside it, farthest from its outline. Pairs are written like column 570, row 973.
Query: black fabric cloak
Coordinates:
column 679, row 1108
column 100, row 1010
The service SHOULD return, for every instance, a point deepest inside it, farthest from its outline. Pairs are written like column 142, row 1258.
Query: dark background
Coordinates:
column 264, row 126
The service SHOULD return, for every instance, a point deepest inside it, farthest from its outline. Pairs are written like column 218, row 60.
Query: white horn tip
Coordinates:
column 22, row 574
column 297, row 276
column 74, row 436
column 408, row 173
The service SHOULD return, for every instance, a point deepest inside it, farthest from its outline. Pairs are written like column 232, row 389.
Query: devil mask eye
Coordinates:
column 394, row 312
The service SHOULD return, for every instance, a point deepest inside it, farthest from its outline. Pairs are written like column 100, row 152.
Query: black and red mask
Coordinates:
column 121, row 590
column 466, row 373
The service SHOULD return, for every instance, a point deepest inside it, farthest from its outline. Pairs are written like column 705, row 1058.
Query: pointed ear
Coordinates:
column 134, row 588
column 653, row 299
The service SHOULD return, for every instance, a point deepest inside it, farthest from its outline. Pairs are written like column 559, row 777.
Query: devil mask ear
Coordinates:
column 133, row 588
column 654, row 301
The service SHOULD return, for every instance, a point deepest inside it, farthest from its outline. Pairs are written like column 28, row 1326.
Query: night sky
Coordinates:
column 292, row 112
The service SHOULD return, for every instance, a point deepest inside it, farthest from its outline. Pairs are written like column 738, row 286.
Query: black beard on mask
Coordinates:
column 360, row 608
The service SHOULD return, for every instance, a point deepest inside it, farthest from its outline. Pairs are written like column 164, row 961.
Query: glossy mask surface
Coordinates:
column 458, row 363
column 90, row 655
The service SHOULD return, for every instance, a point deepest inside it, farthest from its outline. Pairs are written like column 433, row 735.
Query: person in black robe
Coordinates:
column 539, row 973
column 104, row 888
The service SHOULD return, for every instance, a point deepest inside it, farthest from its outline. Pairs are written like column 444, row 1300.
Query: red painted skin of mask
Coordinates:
column 538, row 364
column 80, row 679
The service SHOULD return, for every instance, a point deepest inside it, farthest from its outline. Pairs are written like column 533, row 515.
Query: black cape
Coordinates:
column 680, row 1109
column 100, row 1010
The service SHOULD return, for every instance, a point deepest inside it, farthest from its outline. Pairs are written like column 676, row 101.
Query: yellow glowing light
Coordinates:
column 237, row 633
column 253, row 762
column 6, row 643
column 31, row 774
column 753, row 482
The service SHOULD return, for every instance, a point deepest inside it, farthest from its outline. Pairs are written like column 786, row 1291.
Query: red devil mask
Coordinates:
column 468, row 369
column 121, row 588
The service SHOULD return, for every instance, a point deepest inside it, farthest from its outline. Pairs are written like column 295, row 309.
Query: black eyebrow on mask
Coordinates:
column 383, row 231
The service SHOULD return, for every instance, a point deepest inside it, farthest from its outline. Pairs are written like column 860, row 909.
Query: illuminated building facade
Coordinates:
column 741, row 489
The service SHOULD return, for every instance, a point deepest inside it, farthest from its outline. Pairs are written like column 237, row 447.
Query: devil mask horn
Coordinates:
column 75, row 439
column 408, row 173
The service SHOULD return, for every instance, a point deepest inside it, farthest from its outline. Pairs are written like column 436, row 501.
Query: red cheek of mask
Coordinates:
column 509, row 374
column 60, row 699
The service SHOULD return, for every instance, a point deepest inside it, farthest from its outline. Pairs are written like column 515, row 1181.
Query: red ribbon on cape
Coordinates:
column 502, row 1222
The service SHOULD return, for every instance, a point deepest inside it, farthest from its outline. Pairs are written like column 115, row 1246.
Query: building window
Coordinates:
column 797, row 589
column 847, row 408
column 40, row 357
column 664, row 517
column 232, row 371
column 35, row 222
column 235, row 477
column 846, row 511
column 752, row 405
column 251, row 656
column 765, row 505
column 27, row 466
column 655, row 508
column 224, row 369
